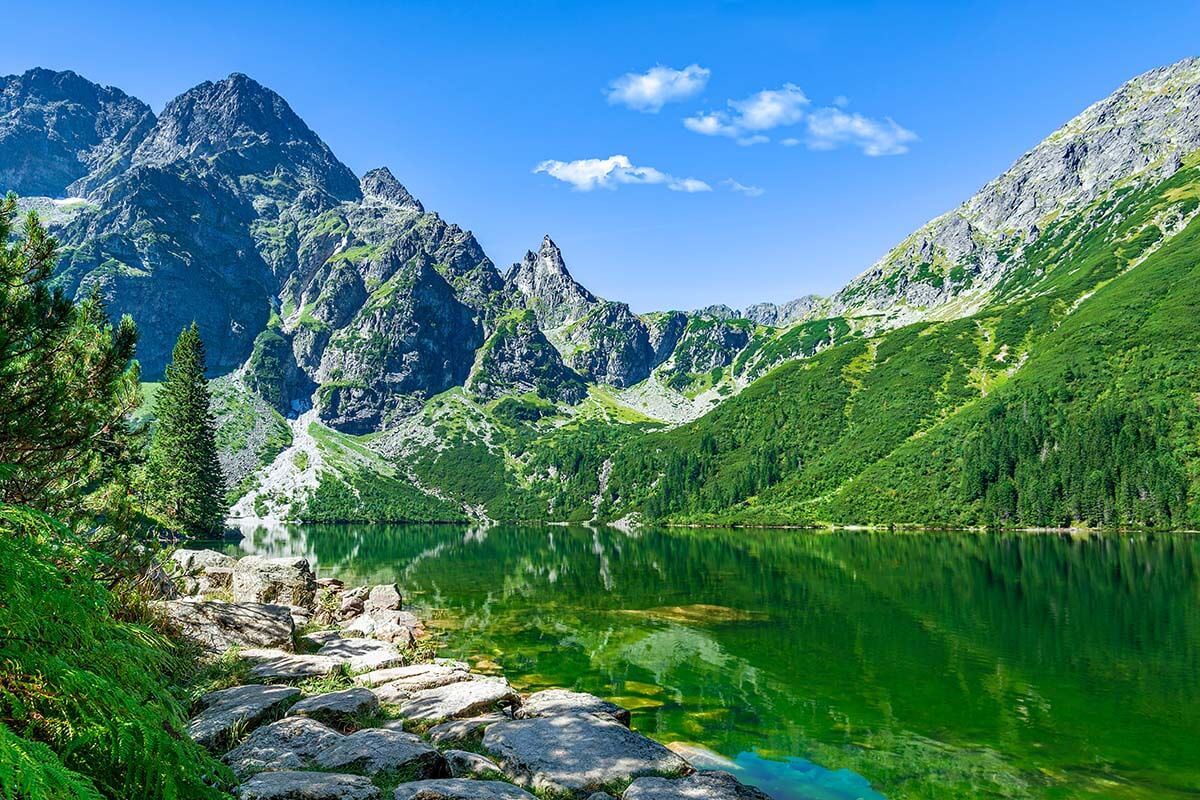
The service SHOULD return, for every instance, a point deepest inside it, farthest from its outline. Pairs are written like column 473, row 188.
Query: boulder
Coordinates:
column 577, row 754
column 457, row 700
column 400, row 627
column 461, row 730
column 291, row 785
column 374, row 750
column 279, row 665
column 337, row 708
column 701, row 786
column 465, row 764
column 385, row 597
column 362, row 654
column 400, row 682
column 239, row 708
column 460, row 789
column 218, row 626
column 288, row 581
column 195, row 562
column 350, row 604
column 553, row 702
column 318, row 639
column 290, row 743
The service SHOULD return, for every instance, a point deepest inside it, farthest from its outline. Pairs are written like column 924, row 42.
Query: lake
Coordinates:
column 831, row 665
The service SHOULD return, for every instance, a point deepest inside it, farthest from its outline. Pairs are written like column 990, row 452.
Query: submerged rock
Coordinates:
column 292, row 785
column 577, row 753
column 236, row 709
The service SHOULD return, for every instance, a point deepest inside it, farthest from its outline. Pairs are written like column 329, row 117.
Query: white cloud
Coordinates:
column 649, row 91
column 586, row 174
column 830, row 127
column 746, row 119
column 790, row 141
column 741, row 188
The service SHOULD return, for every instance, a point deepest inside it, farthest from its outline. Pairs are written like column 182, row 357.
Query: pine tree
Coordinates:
column 185, row 477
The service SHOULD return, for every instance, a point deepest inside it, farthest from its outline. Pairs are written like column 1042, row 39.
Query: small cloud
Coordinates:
column 830, row 127
column 841, row 101
column 791, row 141
column 741, row 188
column 586, row 174
column 649, row 91
column 770, row 108
column 758, row 138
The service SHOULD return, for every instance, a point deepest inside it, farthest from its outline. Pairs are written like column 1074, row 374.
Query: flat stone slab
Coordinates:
column 414, row 676
column 577, row 753
column 337, row 707
column 701, row 786
column 218, row 626
column 292, row 785
column 553, row 702
column 460, row 730
column 363, row 654
column 289, row 744
column 375, row 750
column 236, row 709
column 457, row 700
column 460, row 789
column 465, row 764
column 279, row 665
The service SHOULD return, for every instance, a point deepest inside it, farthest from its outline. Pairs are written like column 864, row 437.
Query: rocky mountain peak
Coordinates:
column 56, row 128
column 381, row 185
column 547, row 288
column 255, row 135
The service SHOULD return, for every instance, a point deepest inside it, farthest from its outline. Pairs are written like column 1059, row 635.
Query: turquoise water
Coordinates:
column 832, row 665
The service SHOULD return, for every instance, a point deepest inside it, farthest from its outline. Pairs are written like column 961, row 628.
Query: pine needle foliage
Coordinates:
column 185, row 473
column 85, row 711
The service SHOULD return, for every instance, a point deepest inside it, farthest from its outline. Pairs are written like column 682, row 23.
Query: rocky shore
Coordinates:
column 336, row 701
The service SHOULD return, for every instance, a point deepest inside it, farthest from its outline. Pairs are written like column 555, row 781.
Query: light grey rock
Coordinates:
column 280, row 665
column 290, row 743
column 782, row 315
column 402, row 628
column 553, row 702
column 460, row 789
column 292, row 785
column 465, row 764
column 375, row 750
column 548, row 289
column 318, row 639
column 194, row 562
column 229, row 711
column 352, row 602
column 460, row 730
column 362, row 654
column 577, row 753
column 218, row 626
column 403, row 681
column 288, row 581
column 601, row 796
column 457, row 700
column 337, row 707
column 701, row 786
column 384, row 597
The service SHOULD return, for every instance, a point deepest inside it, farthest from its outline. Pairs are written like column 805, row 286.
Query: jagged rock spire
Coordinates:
column 380, row 184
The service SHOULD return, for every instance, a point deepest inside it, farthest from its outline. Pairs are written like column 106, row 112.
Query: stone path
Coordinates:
column 397, row 730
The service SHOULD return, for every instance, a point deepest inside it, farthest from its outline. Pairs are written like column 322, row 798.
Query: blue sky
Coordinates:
column 465, row 101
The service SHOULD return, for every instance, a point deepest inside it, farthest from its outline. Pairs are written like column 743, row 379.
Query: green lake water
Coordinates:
column 832, row 665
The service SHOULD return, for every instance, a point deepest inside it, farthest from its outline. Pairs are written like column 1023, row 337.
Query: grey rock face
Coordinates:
column 553, row 702
column 194, row 562
column 465, row 764
column 248, row 132
column 546, row 288
column 609, row 345
column 274, row 580
column 374, row 750
column 57, row 129
column 577, row 753
column 290, row 743
column 701, row 786
column 218, row 626
column 1138, row 131
column 664, row 330
column 292, row 785
column 707, row 344
column 518, row 358
column 237, row 708
column 384, row 597
column 461, row 730
column 381, row 185
column 783, row 315
column 337, row 707
column 456, row 700
column 460, row 789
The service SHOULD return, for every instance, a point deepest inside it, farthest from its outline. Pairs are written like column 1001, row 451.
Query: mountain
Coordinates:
column 1027, row 358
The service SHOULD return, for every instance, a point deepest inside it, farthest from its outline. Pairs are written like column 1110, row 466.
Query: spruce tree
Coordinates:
column 184, row 474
